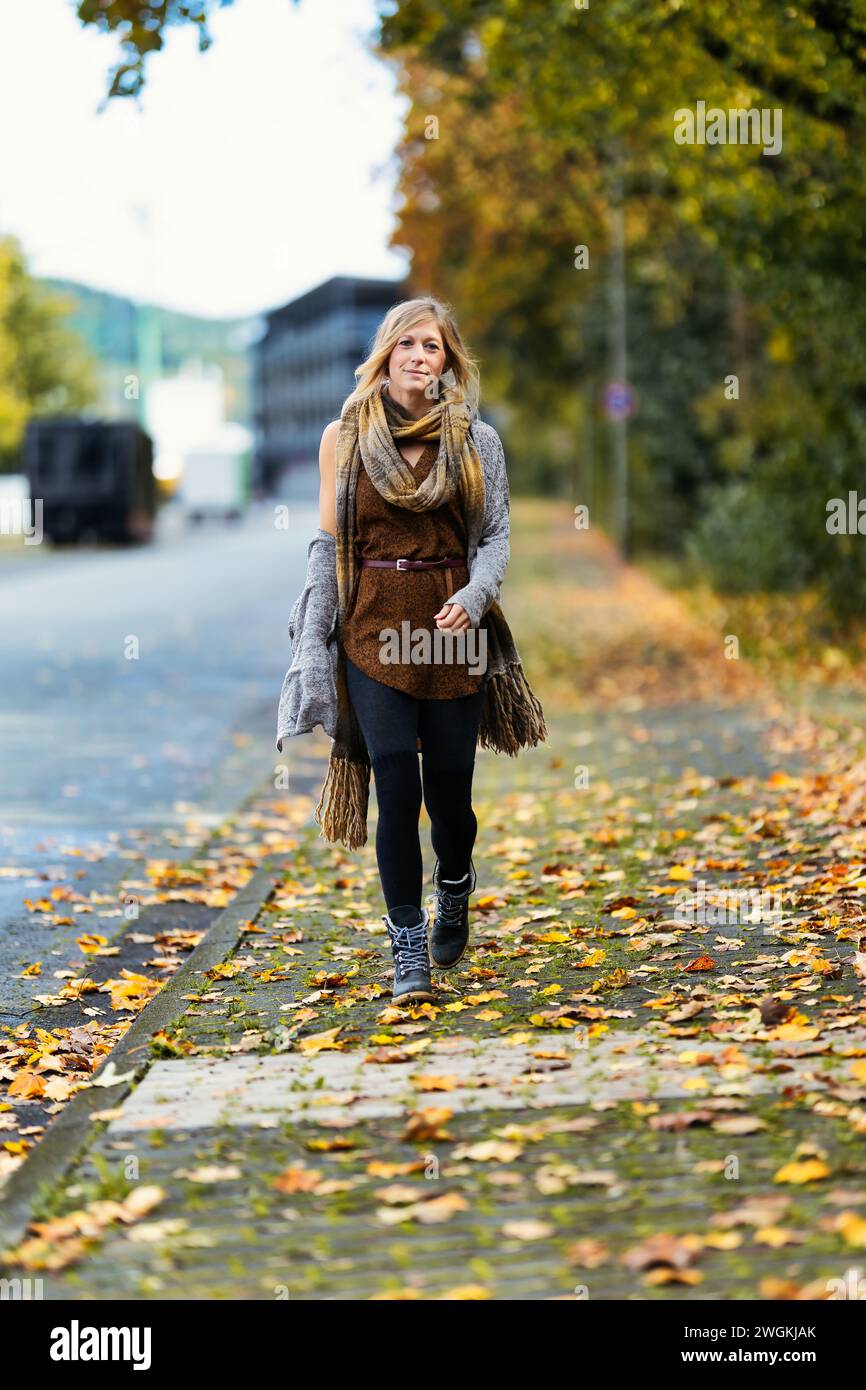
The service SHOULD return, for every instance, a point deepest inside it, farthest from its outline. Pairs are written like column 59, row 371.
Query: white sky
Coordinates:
column 246, row 175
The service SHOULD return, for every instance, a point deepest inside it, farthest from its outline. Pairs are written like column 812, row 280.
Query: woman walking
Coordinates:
column 398, row 639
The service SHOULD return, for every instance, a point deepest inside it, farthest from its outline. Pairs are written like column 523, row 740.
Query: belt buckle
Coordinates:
column 402, row 565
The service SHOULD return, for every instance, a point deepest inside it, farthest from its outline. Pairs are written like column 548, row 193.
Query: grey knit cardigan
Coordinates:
column 309, row 693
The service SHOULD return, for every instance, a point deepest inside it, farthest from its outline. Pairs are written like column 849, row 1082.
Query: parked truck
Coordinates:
column 95, row 478
column 216, row 477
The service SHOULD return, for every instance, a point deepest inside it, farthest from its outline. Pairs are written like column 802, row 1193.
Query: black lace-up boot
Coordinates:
column 450, row 935
column 407, row 928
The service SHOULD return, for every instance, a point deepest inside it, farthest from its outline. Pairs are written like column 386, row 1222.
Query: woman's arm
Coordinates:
column 309, row 693
column 328, row 478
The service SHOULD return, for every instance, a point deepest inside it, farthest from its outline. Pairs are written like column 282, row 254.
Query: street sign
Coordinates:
column 619, row 400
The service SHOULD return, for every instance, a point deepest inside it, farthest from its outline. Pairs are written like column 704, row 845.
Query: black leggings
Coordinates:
column 392, row 722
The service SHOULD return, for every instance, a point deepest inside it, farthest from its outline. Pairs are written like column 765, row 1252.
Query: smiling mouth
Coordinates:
column 413, row 371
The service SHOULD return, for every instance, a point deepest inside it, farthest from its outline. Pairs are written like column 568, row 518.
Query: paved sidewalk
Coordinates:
column 595, row 1104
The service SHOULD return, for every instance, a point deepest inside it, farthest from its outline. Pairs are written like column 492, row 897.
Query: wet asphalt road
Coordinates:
column 138, row 694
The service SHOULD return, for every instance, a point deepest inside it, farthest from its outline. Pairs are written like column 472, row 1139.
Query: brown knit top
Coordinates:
column 386, row 598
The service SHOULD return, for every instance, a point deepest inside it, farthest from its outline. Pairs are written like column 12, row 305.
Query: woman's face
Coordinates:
column 417, row 357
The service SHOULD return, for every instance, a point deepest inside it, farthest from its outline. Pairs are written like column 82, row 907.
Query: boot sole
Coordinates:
column 426, row 996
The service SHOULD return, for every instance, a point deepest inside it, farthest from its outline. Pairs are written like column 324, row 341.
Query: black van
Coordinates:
column 94, row 477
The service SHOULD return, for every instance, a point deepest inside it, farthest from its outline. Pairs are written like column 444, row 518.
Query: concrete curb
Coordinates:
column 69, row 1132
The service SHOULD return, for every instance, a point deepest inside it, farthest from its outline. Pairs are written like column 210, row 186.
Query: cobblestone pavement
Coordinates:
column 645, row 1080
column 554, row 1124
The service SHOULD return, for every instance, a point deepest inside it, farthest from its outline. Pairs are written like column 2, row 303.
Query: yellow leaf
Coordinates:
column 321, row 1042
column 590, row 959
column 723, row 1240
column 297, row 1180
column 853, row 1228
column 809, row 1170
column 674, row 1276
column 794, row 1032
column 427, row 1124
column 775, row 1237
column 528, row 1229
column 27, row 1085
column 428, row 1213
column 91, row 942
column 465, row 1293
column 488, row 1151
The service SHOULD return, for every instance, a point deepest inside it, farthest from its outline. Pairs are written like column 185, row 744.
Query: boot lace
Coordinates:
column 410, row 948
column 449, row 908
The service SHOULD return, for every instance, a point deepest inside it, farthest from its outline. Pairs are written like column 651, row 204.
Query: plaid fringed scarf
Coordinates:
column 511, row 716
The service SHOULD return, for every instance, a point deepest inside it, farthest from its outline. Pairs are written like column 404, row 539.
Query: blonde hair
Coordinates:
column 406, row 314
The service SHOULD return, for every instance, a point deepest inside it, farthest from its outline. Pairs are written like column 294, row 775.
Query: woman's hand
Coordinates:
column 451, row 618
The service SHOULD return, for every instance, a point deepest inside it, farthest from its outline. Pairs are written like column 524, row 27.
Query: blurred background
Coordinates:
column 207, row 207
column 205, row 210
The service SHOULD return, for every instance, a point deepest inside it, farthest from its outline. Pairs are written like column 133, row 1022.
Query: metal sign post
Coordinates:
column 618, row 395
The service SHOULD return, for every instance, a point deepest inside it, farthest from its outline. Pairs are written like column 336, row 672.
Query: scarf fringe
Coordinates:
column 511, row 714
column 342, row 808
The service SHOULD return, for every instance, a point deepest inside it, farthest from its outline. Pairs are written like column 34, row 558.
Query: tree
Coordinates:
column 45, row 368
column 739, row 262
column 142, row 30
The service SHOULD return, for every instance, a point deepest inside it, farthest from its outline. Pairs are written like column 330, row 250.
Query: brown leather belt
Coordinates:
column 449, row 562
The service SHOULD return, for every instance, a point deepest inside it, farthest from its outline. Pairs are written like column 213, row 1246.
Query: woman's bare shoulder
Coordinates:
column 328, row 449
column 329, row 436
column 328, row 477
